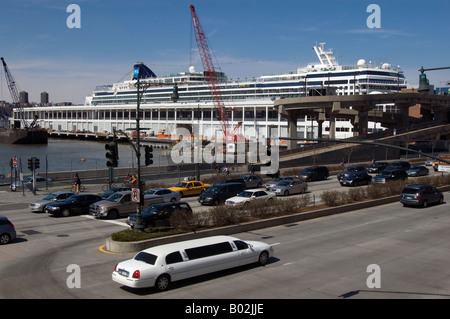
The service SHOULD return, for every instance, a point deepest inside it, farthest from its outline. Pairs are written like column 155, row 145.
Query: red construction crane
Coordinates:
column 212, row 75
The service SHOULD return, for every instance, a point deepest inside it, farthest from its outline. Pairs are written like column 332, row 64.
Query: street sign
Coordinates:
column 14, row 162
column 135, row 194
column 444, row 167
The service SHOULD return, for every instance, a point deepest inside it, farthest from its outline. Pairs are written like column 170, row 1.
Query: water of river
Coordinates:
column 72, row 155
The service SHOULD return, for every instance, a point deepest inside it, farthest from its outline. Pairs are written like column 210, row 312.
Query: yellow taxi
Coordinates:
column 189, row 188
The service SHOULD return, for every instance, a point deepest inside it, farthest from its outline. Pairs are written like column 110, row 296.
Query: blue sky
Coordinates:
column 249, row 38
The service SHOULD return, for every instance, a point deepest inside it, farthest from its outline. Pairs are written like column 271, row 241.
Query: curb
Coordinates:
column 130, row 247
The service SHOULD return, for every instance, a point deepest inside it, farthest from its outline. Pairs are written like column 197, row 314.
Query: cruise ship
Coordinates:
column 249, row 103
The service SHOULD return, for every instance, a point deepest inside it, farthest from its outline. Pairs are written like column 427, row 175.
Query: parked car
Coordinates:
column 39, row 205
column 274, row 182
column 113, row 190
column 7, row 231
column 189, row 188
column 417, row 171
column 430, row 162
column 377, row 167
column 356, row 179
column 167, row 195
column 158, row 212
column 252, row 181
column 229, row 180
column 421, row 195
column 219, row 193
column 73, row 205
column 390, row 175
column 314, row 173
column 399, row 165
column 436, row 166
column 41, row 182
column 349, row 170
column 288, row 187
column 247, row 196
column 119, row 204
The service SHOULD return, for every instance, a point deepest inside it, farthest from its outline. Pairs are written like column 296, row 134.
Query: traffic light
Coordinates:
column 36, row 163
column 148, row 155
column 112, row 154
column 424, row 85
column 30, row 164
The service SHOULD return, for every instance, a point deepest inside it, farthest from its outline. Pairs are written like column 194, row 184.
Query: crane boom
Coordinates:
column 211, row 75
column 14, row 93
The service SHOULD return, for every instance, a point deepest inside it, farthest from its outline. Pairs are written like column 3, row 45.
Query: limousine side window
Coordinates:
column 174, row 257
column 240, row 244
column 209, row 250
column 146, row 257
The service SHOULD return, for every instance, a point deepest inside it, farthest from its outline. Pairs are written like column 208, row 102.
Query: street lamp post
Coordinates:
column 138, row 227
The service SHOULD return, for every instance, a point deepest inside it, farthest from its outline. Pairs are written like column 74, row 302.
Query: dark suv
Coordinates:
column 350, row 170
column 159, row 212
column 314, row 173
column 421, row 195
column 219, row 193
column 399, row 165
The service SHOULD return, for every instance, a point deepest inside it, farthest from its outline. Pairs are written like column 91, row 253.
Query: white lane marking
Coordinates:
column 116, row 222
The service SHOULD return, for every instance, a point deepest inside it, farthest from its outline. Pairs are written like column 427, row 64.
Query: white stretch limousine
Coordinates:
column 160, row 265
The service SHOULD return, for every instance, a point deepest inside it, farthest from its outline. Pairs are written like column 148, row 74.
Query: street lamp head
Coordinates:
column 424, row 85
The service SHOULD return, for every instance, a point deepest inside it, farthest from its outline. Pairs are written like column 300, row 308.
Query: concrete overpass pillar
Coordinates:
column 404, row 116
column 292, row 131
column 320, row 119
column 363, row 121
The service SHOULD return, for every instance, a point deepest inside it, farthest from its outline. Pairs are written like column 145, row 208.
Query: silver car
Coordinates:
column 41, row 182
column 252, row 181
column 167, row 194
column 7, row 231
column 39, row 205
column 274, row 182
column 287, row 187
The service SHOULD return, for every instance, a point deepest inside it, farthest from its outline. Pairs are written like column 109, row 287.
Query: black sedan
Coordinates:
column 378, row 167
column 158, row 212
column 74, row 205
column 355, row 179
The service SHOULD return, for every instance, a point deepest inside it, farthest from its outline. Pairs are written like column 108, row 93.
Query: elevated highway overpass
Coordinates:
column 359, row 108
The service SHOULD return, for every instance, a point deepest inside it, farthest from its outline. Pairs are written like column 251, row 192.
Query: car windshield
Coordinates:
column 146, row 257
column 353, row 175
column 152, row 209
column 181, row 184
column 151, row 192
column 71, row 199
column 284, row 183
column 245, row 194
column 276, row 180
column 108, row 193
column 307, row 170
column 50, row 196
column 214, row 189
column 385, row 173
column 114, row 197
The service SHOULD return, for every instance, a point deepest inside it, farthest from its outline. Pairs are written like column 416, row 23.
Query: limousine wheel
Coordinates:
column 263, row 258
column 162, row 283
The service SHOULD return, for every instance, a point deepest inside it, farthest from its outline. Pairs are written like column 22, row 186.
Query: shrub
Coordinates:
column 331, row 198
